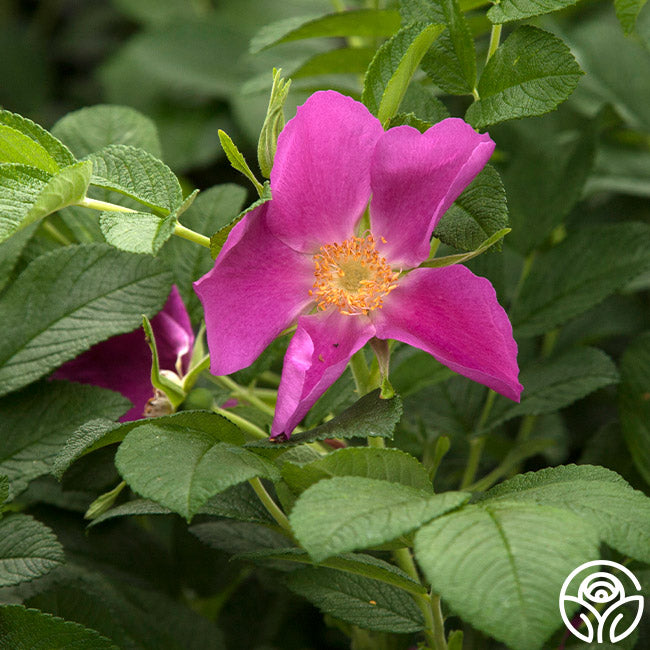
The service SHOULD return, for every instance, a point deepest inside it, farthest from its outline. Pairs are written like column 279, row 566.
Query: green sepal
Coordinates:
column 237, row 160
column 174, row 392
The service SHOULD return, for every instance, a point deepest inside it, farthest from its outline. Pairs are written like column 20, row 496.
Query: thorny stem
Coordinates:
column 434, row 628
column 270, row 505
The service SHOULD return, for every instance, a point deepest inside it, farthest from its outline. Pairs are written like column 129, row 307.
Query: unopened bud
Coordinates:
column 273, row 123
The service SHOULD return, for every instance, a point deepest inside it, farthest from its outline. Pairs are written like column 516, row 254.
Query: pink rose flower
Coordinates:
column 123, row 363
column 302, row 257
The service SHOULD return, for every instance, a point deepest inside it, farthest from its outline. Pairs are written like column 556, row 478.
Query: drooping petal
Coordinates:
column 320, row 179
column 123, row 363
column 257, row 288
column 415, row 177
column 315, row 359
column 454, row 315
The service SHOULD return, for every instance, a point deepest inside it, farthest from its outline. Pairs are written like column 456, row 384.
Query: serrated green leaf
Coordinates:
column 627, row 11
column 478, row 213
column 484, row 560
column 370, row 416
column 368, row 603
column 26, row 629
column 360, row 22
column 554, row 383
column 356, row 563
column 545, row 177
column 98, row 433
column 219, row 238
column 421, row 100
column 90, row 129
column 138, row 175
column 347, row 513
column 28, row 550
column 238, row 502
column 28, row 194
column 16, row 147
column 132, row 616
column 235, row 537
column 56, row 149
column 48, row 320
column 346, row 60
column 585, row 268
column 136, row 232
column 213, row 209
column 451, row 62
column 634, row 402
column 181, row 467
column 385, row 464
column 238, row 162
column 508, row 10
column 620, row 514
column 38, row 420
column 409, row 119
column 391, row 69
column 531, row 73
column 10, row 251
column 4, row 489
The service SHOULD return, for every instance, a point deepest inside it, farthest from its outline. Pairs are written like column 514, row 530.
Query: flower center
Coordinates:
column 352, row 276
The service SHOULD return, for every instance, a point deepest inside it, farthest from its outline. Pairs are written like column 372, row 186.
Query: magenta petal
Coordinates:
column 257, row 288
column 415, row 177
column 315, row 359
column 123, row 363
column 454, row 315
column 320, row 179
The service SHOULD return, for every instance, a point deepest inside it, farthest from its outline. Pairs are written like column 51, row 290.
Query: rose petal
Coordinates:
column 255, row 290
column 123, row 363
column 320, row 179
column 454, row 315
column 315, row 359
column 415, row 177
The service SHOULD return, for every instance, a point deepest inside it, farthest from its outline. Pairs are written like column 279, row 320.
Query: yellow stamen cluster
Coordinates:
column 352, row 276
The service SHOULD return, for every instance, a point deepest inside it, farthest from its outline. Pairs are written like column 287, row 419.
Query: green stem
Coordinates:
column 242, row 423
column 360, row 373
column 477, row 444
column 434, row 629
column 104, row 206
column 495, row 37
column 55, row 233
column 244, row 393
column 190, row 235
column 270, row 505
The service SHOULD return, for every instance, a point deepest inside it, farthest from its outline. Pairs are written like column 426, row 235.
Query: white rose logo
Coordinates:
column 602, row 594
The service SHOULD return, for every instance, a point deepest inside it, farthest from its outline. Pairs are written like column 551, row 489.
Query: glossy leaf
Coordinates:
column 531, row 73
